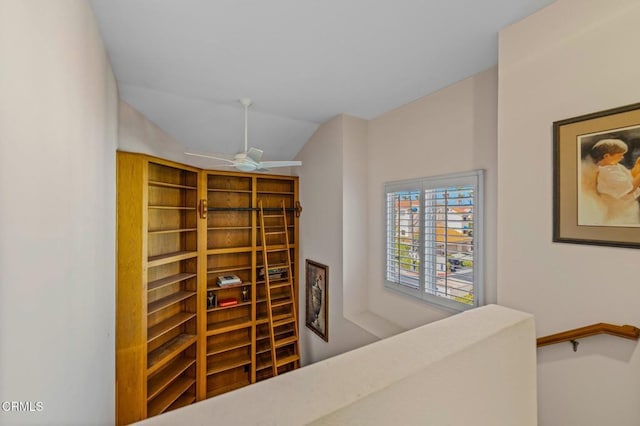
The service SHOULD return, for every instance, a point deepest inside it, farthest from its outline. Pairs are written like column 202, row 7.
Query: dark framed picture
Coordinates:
column 317, row 306
column 596, row 178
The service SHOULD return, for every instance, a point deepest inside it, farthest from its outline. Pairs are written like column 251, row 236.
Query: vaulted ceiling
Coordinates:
column 185, row 64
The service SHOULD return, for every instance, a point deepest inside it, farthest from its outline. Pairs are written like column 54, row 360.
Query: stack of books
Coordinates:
column 275, row 272
column 225, row 280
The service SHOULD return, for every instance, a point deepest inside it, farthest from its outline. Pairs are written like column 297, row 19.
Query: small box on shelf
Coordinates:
column 228, row 302
column 225, row 280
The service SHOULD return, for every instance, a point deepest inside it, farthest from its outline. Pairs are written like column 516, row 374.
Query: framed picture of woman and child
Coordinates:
column 596, row 178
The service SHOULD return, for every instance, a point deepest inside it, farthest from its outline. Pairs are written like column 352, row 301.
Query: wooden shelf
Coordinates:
column 229, row 325
column 275, row 282
column 228, row 228
column 169, row 300
column 264, row 336
column 237, row 305
column 227, row 388
column 278, row 320
column 186, row 399
column 276, row 192
column 228, row 269
column 229, row 365
column 161, row 356
column 170, row 185
column 169, row 396
column 241, row 191
column 216, row 287
column 263, row 348
column 261, row 365
column 172, row 231
column 163, row 259
column 168, row 325
column 274, row 300
column 154, row 285
column 171, row 207
column 229, row 346
column 230, row 250
column 162, row 380
column 264, row 375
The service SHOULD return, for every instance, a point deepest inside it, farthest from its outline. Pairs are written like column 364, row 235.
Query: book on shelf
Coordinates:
column 224, row 280
column 275, row 272
column 227, row 302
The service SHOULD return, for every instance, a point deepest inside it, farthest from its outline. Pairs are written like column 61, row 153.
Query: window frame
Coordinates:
column 474, row 178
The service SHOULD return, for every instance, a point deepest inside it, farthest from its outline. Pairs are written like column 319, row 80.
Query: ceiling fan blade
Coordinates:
column 210, row 156
column 255, row 154
column 265, row 164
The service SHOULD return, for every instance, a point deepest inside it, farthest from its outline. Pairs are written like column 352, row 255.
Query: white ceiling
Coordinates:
column 185, row 64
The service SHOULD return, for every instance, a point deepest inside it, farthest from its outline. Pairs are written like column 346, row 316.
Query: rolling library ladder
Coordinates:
column 280, row 293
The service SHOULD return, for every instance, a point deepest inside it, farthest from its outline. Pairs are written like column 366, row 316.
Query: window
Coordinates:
column 433, row 239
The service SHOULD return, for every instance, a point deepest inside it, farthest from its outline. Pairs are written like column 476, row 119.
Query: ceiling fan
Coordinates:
column 249, row 159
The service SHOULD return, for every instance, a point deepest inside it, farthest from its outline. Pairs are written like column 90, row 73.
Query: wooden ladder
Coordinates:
column 281, row 303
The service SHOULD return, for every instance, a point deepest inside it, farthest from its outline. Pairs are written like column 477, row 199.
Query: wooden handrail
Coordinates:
column 625, row 331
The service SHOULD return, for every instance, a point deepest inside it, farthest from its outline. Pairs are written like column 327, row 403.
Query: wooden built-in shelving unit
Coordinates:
column 179, row 228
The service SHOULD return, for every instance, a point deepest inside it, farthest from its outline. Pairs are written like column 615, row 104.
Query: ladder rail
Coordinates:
column 291, row 288
column 265, row 263
column 292, row 340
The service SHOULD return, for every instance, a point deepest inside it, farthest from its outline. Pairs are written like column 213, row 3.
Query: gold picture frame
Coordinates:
column 589, row 205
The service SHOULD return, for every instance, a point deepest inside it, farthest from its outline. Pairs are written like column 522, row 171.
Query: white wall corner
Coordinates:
column 374, row 324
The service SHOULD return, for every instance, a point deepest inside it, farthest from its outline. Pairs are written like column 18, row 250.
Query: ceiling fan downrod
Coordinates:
column 246, row 103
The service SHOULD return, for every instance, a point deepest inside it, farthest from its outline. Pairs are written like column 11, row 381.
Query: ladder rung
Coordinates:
column 283, row 322
column 286, row 284
column 282, row 268
column 272, row 215
column 279, row 266
column 287, row 360
column 286, row 341
column 274, row 233
column 278, row 248
column 283, row 303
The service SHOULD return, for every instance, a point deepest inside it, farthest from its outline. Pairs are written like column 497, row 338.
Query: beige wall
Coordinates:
column 452, row 130
column 346, row 163
column 572, row 58
column 58, row 130
column 355, row 219
column 321, row 235
column 136, row 133
column 421, row 377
